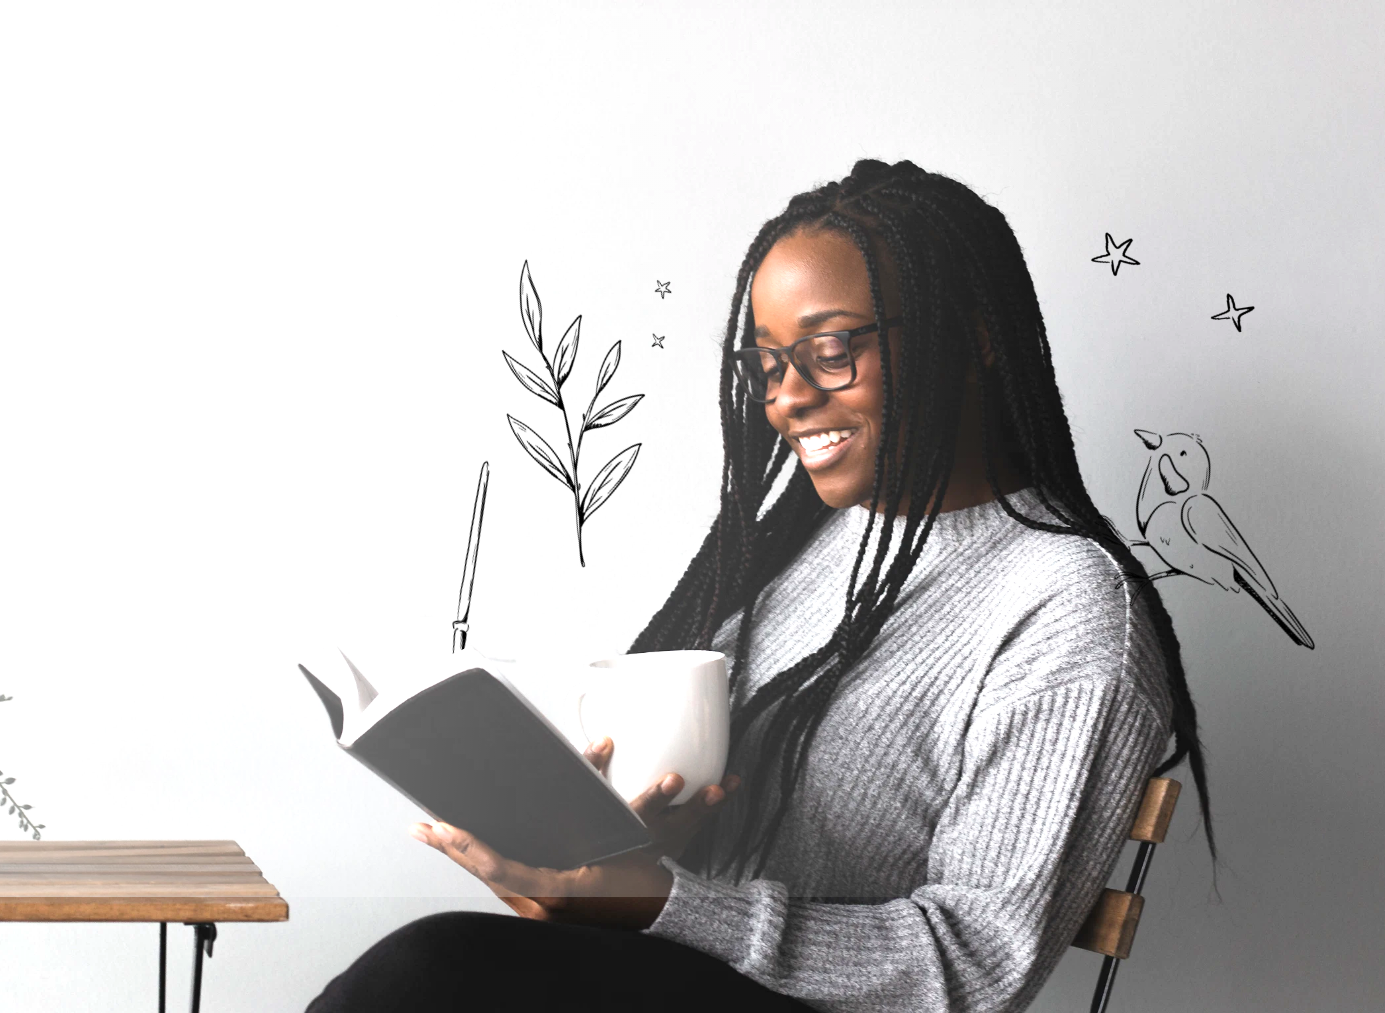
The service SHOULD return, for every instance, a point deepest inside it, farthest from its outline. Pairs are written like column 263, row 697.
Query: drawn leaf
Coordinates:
column 538, row 448
column 608, row 479
column 26, row 807
column 532, row 382
column 613, row 412
column 530, row 309
column 8, row 780
column 608, row 368
column 567, row 350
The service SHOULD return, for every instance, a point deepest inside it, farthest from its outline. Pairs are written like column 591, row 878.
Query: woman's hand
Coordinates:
column 627, row 891
column 672, row 827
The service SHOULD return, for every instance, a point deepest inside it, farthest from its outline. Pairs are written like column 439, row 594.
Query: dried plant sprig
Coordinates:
column 550, row 388
column 6, row 799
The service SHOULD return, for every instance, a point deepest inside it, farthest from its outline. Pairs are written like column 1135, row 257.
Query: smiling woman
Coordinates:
column 950, row 677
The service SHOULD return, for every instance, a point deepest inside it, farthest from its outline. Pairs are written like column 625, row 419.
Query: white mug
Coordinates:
column 666, row 712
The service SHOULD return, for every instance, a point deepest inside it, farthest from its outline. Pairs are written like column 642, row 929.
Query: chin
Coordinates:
column 838, row 495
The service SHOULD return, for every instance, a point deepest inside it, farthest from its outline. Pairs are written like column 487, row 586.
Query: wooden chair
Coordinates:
column 1110, row 928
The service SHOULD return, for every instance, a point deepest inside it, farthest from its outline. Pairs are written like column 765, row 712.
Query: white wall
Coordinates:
column 258, row 262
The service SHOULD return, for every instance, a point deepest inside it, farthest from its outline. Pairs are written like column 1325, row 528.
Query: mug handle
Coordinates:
column 582, row 725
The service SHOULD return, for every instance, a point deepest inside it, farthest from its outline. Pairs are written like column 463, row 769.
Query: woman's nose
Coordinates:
column 796, row 393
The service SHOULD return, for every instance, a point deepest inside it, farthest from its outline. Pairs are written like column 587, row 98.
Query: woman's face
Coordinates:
column 810, row 282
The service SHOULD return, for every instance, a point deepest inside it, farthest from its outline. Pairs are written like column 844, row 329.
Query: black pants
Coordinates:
column 475, row 961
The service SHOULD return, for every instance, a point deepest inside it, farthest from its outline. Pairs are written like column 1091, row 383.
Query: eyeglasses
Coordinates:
column 825, row 360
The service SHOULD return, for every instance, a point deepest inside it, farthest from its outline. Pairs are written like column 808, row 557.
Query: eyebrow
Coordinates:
column 810, row 320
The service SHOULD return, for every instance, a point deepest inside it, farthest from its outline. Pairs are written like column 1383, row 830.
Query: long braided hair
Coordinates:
column 957, row 263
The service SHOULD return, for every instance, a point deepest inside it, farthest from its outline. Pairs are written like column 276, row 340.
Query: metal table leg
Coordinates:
column 204, row 934
column 163, row 961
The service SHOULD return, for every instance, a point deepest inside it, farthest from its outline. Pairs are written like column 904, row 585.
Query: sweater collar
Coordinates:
column 953, row 527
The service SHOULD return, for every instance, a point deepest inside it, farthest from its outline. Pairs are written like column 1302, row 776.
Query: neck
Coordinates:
column 968, row 485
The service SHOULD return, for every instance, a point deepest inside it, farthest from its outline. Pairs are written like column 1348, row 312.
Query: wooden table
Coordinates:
column 198, row 883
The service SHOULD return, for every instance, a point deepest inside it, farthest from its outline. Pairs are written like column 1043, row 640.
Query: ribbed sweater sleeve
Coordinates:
column 1053, row 753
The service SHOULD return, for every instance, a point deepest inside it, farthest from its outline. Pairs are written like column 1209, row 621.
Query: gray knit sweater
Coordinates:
column 970, row 786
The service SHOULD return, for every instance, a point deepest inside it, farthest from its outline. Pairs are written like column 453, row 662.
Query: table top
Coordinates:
column 134, row 881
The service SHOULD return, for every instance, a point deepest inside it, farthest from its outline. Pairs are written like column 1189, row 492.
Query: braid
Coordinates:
column 956, row 260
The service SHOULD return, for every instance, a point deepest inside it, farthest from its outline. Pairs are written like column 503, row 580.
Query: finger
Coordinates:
column 494, row 869
column 599, row 753
column 655, row 799
column 716, row 793
column 698, row 808
column 521, row 905
column 524, row 907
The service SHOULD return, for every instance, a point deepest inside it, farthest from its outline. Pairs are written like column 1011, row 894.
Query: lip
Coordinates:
column 824, row 458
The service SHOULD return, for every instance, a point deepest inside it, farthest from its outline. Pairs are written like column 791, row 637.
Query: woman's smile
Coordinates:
column 821, row 448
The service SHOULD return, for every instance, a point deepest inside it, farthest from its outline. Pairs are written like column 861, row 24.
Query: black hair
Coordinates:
column 957, row 263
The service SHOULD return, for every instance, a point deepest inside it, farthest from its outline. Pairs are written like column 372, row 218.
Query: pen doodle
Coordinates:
column 1115, row 254
column 662, row 287
column 614, row 471
column 658, row 342
column 7, row 799
column 1192, row 534
column 461, row 626
column 1233, row 312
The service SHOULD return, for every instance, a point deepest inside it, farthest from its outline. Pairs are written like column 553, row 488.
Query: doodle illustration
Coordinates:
column 662, row 287
column 461, row 626
column 613, row 472
column 658, row 342
column 1115, row 254
column 1192, row 534
column 1233, row 312
column 7, row 799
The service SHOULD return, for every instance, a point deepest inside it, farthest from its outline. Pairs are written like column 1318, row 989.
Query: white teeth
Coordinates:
column 820, row 440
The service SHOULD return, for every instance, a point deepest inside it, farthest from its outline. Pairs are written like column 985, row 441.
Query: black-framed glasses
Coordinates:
column 825, row 360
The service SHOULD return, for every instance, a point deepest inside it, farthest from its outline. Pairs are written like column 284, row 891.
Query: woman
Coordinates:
column 952, row 687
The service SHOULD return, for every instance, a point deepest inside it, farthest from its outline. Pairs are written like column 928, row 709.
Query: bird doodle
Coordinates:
column 1192, row 534
column 1233, row 312
column 1115, row 254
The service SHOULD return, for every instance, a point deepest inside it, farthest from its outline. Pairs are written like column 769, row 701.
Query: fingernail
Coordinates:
column 418, row 833
column 604, row 744
column 669, row 785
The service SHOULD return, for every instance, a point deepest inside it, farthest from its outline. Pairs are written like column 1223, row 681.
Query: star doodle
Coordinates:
column 1233, row 312
column 658, row 341
column 663, row 287
column 1115, row 254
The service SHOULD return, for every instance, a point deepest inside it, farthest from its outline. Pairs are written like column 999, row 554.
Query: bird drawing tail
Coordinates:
column 1278, row 611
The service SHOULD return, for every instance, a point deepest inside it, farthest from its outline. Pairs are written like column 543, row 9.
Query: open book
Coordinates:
column 471, row 750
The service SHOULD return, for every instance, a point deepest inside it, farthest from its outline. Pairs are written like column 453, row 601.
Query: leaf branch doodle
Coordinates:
column 6, row 799
column 550, row 389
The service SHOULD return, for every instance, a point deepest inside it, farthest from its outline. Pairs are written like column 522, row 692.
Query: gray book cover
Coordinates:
column 471, row 751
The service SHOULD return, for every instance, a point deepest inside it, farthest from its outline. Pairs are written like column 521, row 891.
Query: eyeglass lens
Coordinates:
column 824, row 359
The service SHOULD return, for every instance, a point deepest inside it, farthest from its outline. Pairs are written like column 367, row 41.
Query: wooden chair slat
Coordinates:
column 1156, row 810
column 1110, row 928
